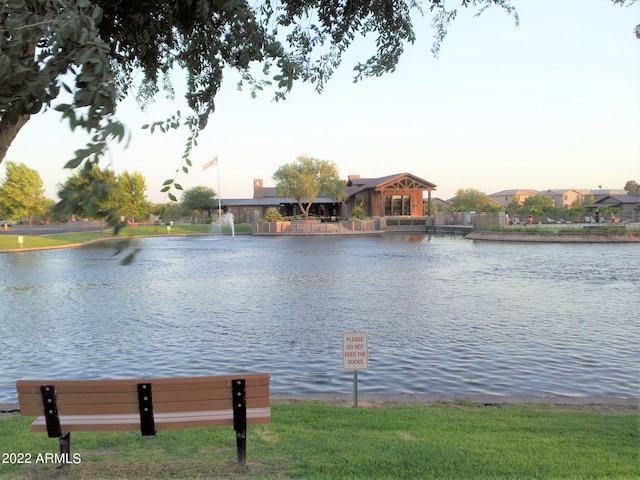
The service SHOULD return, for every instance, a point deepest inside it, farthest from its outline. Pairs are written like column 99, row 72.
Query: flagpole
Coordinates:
column 219, row 204
column 211, row 163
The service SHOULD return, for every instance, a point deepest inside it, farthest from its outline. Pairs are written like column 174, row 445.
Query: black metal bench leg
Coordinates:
column 54, row 429
column 65, row 448
column 241, row 445
column 239, row 400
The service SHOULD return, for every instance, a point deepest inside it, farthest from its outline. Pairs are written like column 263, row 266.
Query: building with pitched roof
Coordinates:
column 628, row 205
column 564, row 197
column 392, row 195
column 518, row 195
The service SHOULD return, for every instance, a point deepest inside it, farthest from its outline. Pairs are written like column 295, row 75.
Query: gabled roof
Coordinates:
column 515, row 191
column 405, row 180
column 609, row 192
column 615, row 200
column 562, row 191
column 438, row 200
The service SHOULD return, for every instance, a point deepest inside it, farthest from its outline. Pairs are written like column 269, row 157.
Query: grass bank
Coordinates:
column 60, row 240
column 570, row 230
column 586, row 234
column 318, row 440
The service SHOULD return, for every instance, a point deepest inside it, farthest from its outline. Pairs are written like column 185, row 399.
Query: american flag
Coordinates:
column 211, row 163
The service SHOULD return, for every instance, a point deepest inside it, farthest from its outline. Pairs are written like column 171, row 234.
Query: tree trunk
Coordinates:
column 9, row 131
column 305, row 210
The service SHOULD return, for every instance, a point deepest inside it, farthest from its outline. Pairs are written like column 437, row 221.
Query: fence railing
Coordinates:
column 308, row 227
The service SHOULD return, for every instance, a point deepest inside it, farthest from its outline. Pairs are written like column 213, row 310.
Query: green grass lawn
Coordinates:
column 8, row 242
column 40, row 241
column 566, row 230
column 317, row 440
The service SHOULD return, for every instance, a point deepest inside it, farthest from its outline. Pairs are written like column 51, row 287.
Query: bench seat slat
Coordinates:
column 133, row 408
column 163, row 421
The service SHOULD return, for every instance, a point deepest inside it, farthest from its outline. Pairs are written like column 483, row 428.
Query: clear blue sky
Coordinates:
column 552, row 103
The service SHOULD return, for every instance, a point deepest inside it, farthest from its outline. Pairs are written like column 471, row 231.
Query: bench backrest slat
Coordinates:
column 127, row 402
column 182, row 394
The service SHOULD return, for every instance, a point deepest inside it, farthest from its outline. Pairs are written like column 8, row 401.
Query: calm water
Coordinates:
column 444, row 315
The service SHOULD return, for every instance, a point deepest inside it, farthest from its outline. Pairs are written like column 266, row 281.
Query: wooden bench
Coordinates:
column 147, row 405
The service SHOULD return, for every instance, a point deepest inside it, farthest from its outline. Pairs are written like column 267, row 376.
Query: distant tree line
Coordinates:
column 540, row 206
column 94, row 193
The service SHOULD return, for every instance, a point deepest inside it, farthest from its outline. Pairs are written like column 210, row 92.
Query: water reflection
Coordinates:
column 444, row 315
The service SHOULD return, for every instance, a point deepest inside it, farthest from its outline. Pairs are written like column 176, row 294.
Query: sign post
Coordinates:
column 20, row 240
column 355, row 356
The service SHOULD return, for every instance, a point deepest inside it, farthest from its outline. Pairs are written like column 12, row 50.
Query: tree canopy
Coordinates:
column 88, row 54
column 22, row 193
column 472, row 200
column 89, row 193
column 632, row 186
column 201, row 198
column 132, row 199
column 306, row 179
column 538, row 205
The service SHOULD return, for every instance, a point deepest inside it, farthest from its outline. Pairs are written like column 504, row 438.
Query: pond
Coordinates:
column 443, row 314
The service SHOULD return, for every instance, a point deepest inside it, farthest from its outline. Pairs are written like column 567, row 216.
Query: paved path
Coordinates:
column 80, row 226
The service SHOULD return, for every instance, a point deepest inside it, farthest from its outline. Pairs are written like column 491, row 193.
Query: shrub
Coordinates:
column 273, row 215
column 358, row 213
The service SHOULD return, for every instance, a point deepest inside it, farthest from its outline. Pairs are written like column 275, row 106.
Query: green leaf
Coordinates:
column 73, row 163
column 168, row 182
column 172, row 197
column 178, row 186
column 96, row 14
